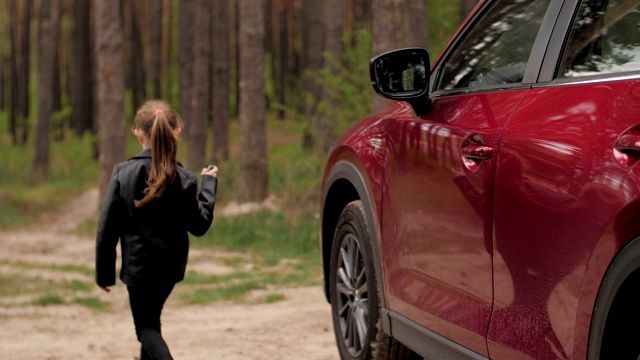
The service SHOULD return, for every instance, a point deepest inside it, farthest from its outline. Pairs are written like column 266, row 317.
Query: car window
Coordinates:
column 495, row 50
column 604, row 39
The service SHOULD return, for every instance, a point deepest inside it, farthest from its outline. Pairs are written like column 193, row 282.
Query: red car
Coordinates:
column 492, row 210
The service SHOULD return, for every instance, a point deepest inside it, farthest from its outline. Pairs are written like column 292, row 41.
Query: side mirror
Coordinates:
column 403, row 75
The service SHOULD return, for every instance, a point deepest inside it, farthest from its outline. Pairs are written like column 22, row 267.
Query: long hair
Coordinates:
column 158, row 121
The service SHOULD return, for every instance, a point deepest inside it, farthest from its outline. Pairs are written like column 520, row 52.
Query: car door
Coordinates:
column 564, row 171
column 438, row 191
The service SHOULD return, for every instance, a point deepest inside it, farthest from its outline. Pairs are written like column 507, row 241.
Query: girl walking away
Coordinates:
column 150, row 205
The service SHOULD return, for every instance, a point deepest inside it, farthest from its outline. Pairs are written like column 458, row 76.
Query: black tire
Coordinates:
column 613, row 332
column 355, row 305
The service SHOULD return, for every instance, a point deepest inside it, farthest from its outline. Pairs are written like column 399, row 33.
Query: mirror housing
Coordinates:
column 403, row 75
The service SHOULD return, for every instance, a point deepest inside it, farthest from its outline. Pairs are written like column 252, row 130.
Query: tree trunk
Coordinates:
column 25, row 67
column 334, row 29
column 137, row 63
column 200, row 80
column 20, row 33
column 81, row 118
column 220, row 79
column 312, row 41
column 166, row 60
column 13, row 73
column 154, row 42
column 109, row 88
column 47, row 48
column 4, row 16
column 357, row 16
column 234, row 49
column 391, row 30
column 253, row 171
column 185, row 60
column 57, row 90
column 465, row 8
column 282, row 56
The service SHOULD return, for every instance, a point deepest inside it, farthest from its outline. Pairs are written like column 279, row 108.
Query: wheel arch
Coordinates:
column 622, row 275
column 345, row 183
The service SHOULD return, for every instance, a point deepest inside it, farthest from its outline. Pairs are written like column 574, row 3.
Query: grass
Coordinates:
column 283, row 244
column 27, row 284
column 22, row 201
column 218, row 293
column 92, row 303
column 266, row 239
column 48, row 299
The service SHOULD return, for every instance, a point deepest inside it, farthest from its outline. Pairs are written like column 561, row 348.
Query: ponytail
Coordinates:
column 164, row 147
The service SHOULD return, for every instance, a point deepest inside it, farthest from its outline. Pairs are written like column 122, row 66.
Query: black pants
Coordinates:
column 146, row 306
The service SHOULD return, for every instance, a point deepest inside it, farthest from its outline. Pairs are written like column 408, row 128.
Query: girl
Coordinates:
column 150, row 205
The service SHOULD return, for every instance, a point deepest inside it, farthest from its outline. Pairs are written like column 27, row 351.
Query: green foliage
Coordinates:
column 443, row 20
column 274, row 235
column 295, row 178
column 348, row 86
column 71, row 169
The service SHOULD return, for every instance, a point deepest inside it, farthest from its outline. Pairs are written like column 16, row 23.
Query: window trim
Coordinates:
column 557, row 44
column 591, row 79
column 534, row 63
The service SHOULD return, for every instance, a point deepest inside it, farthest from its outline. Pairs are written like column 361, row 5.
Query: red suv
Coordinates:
column 492, row 211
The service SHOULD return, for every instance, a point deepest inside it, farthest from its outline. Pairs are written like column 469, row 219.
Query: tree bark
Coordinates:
column 391, row 30
column 25, row 67
column 253, row 171
column 14, row 59
column 200, row 80
column 81, row 118
column 167, row 60
column 234, row 49
column 334, row 30
column 312, row 42
column 49, row 21
column 154, row 42
column 220, row 79
column 357, row 16
column 109, row 88
column 3, row 54
column 137, row 63
column 185, row 60
column 282, row 56
column 465, row 8
column 20, row 34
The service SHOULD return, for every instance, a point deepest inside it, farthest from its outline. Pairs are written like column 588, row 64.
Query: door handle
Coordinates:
column 477, row 152
column 628, row 144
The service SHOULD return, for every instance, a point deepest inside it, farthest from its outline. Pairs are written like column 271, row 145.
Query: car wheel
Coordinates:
column 355, row 304
column 611, row 334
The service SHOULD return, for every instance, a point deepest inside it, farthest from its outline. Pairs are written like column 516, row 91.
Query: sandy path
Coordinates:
column 298, row 327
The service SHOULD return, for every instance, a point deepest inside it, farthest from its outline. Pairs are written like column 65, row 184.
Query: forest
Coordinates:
column 72, row 73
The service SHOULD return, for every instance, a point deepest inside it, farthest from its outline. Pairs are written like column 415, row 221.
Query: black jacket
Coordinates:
column 154, row 239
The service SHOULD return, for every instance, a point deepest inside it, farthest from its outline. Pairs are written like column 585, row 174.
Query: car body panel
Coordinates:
column 559, row 188
column 499, row 258
column 437, row 214
column 354, row 171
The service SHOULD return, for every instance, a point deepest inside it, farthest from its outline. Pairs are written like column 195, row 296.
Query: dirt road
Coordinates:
column 297, row 327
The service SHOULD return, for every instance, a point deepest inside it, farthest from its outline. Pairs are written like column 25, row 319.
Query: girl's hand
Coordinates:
column 105, row 289
column 212, row 170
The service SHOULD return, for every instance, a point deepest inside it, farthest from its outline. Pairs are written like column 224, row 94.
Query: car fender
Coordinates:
column 346, row 179
column 602, row 277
